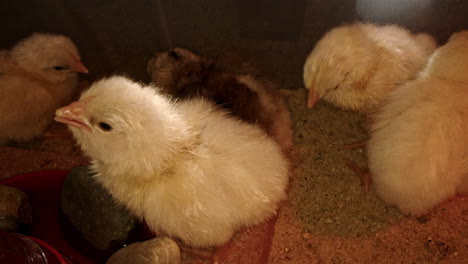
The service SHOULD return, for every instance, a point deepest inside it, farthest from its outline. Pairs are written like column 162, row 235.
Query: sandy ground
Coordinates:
column 328, row 217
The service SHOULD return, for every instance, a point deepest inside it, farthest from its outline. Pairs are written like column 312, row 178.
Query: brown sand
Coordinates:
column 328, row 217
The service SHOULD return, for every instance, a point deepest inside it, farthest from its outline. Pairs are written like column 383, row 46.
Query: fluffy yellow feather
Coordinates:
column 185, row 167
column 355, row 66
column 419, row 139
column 38, row 75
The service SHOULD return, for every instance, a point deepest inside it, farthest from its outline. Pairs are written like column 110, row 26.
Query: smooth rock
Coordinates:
column 15, row 210
column 90, row 209
column 160, row 250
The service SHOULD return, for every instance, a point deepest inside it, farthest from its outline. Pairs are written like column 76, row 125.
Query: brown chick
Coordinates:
column 183, row 74
column 355, row 66
column 38, row 75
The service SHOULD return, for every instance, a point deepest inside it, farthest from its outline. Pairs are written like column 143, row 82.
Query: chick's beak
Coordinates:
column 77, row 65
column 313, row 98
column 73, row 115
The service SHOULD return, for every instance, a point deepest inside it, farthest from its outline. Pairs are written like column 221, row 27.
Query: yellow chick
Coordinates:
column 419, row 139
column 37, row 76
column 355, row 66
column 185, row 167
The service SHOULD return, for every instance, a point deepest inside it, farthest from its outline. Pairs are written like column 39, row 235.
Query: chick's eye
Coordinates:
column 174, row 55
column 105, row 126
column 59, row 68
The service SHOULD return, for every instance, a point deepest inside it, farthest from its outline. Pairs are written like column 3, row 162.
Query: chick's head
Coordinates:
column 339, row 65
column 116, row 120
column 177, row 70
column 451, row 60
column 54, row 57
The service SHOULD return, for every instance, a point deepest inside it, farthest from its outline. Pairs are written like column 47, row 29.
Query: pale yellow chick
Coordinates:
column 37, row 76
column 186, row 167
column 355, row 66
column 418, row 148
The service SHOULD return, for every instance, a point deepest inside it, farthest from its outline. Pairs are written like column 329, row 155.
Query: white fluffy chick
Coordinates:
column 184, row 74
column 38, row 75
column 355, row 66
column 186, row 167
column 419, row 140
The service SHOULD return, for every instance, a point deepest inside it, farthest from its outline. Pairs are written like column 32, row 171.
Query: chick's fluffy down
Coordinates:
column 419, row 140
column 234, row 180
column 356, row 65
column 187, row 168
column 38, row 75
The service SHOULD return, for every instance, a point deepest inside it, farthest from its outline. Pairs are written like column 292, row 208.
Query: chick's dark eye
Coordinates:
column 59, row 68
column 105, row 126
column 174, row 55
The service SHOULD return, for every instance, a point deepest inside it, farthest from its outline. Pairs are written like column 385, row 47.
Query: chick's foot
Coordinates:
column 360, row 144
column 364, row 174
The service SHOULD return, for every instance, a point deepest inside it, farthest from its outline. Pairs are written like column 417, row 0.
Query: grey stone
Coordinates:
column 15, row 210
column 91, row 210
column 160, row 250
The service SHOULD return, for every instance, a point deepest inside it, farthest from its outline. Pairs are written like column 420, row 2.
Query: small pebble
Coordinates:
column 306, row 235
column 105, row 224
column 15, row 210
column 160, row 250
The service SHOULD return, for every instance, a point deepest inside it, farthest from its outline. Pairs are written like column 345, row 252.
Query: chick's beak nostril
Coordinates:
column 70, row 110
column 73, row 115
